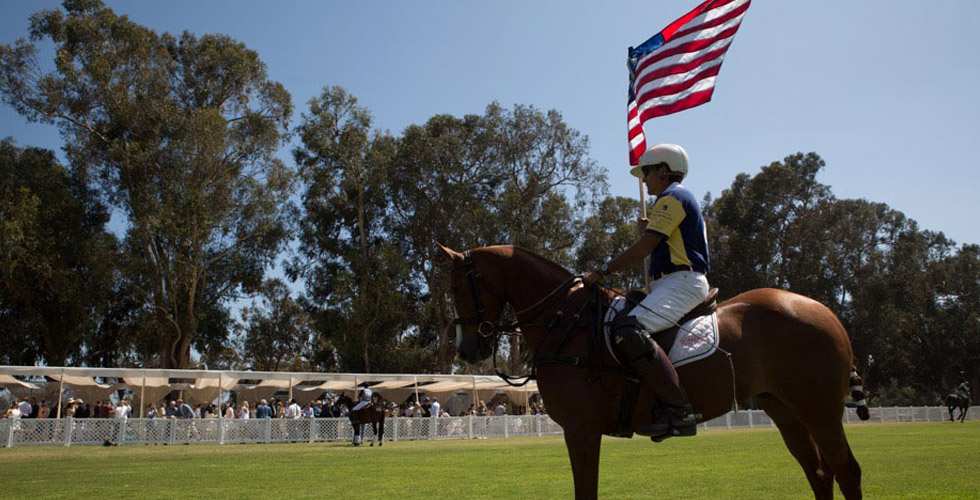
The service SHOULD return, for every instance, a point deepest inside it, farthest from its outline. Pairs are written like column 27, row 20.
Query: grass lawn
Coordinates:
column 900, row 461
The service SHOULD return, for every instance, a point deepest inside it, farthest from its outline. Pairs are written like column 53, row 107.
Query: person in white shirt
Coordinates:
column 243, row 412
column 434, row 408
column 25, row 407
column 13, row 412
column 293, row 410
column 121, row 410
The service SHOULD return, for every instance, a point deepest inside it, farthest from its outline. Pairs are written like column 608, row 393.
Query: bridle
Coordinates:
column 487, row 328
column 492, row 330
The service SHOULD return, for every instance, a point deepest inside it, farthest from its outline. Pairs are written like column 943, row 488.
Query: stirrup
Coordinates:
column 671, row 425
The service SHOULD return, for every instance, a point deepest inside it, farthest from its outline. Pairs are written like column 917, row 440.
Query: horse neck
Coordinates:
column 528, row 278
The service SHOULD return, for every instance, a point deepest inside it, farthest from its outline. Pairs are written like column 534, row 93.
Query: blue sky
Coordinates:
column 883, row 91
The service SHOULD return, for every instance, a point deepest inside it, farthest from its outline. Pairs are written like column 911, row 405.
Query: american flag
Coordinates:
column 676, row 68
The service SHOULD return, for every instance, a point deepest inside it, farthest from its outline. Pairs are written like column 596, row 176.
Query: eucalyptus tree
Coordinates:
column 180, row 132
column 56, row 259
column 518, row 176
column 356, row 274
column 278, row 331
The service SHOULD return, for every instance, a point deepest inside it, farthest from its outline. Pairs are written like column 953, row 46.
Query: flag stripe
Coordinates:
column 684, row 82
column 691, row 43
column 677, row 68
column 689, row 101
column 682, row 66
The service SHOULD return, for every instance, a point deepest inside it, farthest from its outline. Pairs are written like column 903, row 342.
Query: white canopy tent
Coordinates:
column 154, row 384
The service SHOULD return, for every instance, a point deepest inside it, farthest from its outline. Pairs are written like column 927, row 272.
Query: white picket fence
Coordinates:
column 70, row 431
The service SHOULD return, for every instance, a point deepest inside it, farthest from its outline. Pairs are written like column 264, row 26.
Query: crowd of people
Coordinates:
column 330, row 407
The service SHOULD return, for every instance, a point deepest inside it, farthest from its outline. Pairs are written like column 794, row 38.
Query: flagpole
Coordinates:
column 646, row 260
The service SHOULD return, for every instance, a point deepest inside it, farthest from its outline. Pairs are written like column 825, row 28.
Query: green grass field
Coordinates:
column 900, row 461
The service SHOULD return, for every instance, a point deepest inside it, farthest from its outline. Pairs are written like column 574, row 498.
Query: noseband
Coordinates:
column 486, row 328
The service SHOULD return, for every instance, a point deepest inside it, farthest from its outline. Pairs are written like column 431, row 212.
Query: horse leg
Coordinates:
column 380, row 432
column 837, row 454
column 801, row 446
column 583, row 452
column 357, row 434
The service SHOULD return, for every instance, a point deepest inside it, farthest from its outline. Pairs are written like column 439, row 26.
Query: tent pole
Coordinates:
column 476, row 395
column 142, row 395
column 417, row 402
column 61, row 386
column 221, row 414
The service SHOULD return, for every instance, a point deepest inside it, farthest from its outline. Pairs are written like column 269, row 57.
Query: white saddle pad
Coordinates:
column 697, row 339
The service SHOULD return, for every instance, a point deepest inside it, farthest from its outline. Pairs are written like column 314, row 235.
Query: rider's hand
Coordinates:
column 590, row 278
column 641, row 224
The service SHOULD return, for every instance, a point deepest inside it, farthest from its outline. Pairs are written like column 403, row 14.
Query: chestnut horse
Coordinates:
column 790, row 353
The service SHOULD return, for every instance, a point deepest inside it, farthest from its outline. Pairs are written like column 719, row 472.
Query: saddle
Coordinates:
column 667, row 337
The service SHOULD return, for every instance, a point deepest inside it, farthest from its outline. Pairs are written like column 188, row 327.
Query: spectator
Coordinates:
column 184, row 410
column 13, row 412
column 69, row 409
column 25, row 408
column 293, row 411
column 162, row 411
column 81, row 409
column 243, row 412
column 229, row 411
column 105, row 409
column 43, row 411
column 151, row 411
column 435, row 408
column 280, row 410
column 121, row 411
column 35, row 408
column 263, row 410
column 482, row 410
column 308, row 411
column 172, row 411
column 500, row 409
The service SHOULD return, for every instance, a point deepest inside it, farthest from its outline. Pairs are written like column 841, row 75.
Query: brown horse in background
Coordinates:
column 372, row 414
column 955, row 401
column 790, row 353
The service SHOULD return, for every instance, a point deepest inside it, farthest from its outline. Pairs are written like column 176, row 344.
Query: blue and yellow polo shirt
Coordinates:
column 676, row 217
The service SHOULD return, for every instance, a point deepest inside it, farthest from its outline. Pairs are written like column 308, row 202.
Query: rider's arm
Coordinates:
column 634, row 254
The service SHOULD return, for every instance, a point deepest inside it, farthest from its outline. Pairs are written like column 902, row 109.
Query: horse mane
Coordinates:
column 511, row 251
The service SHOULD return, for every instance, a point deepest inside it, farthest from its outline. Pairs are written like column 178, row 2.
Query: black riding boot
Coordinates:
column 649, row 362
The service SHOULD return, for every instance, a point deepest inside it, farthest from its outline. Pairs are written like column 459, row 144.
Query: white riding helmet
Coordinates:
column 673, row 155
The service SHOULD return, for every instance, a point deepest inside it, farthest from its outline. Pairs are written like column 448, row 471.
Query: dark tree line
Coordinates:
column 177, row 136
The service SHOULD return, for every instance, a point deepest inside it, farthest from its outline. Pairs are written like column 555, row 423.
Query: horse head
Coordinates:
column 477, row 305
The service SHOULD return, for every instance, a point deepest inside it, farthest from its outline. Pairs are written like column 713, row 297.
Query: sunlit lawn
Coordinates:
column 907, row 461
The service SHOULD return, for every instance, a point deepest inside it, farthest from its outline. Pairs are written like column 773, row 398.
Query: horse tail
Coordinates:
column 857, row 395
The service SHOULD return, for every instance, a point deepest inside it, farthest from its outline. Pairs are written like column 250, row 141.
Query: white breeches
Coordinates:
column 670, row 298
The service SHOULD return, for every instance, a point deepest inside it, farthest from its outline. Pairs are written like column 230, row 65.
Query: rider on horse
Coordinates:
column 365, row 399
column 963, row 390
column 676, row 240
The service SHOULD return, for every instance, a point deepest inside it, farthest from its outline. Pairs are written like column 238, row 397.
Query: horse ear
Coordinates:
column 449, row 252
